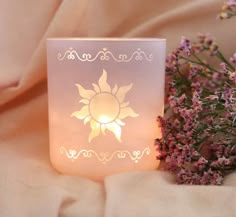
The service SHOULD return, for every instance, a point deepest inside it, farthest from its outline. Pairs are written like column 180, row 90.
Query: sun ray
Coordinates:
column 96, row 88
column 87, row 119
column 114, row 90
column 104, row 86
column 127, row 112
column 122, row 92
column 82, row 113
column 124, row 104
column 115, row 129
column 121, row 123
column 103, row 129
column 84, row 101
column 95, row 130
column 87, row 94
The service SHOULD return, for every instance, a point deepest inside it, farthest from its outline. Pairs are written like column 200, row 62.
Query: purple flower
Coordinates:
column 228, row 97
column 217, row 76
column 201, row 164
column 172, row 61
column 172, row 101
column 213, row 49
column 196, row 86
column 186, row 176
column 212, row 177
column 208, row 41
column 212, row 97
column 188, row 126
column 185, row 46
column 197, row 103
column 194, row 70
column 160, row 121
column 198, row 143
column 217, row 149
column 171, row 88
column 197, row 47
column 228, row 9
column 221, row 162
column 189, row 133
column 231, row 3
column 224, row 67
column 232, row 76
column 171, row 162
column 176, row 123
column 233, row 58
column 186, row 114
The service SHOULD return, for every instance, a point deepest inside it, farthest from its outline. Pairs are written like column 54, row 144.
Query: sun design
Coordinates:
column 104, row 107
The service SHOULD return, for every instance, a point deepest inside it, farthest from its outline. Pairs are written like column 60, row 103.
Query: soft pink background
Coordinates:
column 28, row 184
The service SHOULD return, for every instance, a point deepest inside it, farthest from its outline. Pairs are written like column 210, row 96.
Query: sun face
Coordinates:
column 104, row 108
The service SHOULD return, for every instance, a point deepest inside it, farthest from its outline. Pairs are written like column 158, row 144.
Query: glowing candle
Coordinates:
column 104, row 97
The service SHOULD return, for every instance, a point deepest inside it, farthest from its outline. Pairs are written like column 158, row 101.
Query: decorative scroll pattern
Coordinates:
column 104, row 55
column 105, row 157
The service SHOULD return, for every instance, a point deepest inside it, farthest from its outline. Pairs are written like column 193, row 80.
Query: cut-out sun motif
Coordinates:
column 104, row 107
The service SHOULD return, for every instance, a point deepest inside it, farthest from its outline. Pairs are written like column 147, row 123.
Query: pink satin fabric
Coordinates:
column 29, row 186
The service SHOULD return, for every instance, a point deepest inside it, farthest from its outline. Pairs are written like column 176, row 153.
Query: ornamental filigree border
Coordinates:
column 105, row 55
column 105, row 157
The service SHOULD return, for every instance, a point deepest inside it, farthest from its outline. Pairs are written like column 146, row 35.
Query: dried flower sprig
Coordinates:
column 199, row 130
column 228, row 9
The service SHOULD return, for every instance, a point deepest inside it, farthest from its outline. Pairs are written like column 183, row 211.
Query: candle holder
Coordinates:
column 104, row 97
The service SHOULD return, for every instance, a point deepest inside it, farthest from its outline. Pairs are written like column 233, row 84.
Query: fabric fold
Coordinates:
column 29, row 186
column 154, row 194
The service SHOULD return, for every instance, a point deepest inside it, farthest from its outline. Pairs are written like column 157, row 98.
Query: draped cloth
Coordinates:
column 29, row 186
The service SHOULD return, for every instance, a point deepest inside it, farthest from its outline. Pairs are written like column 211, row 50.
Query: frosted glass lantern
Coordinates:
column 104, row 97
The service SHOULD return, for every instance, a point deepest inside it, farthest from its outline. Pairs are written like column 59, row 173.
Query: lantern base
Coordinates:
column 107, row 166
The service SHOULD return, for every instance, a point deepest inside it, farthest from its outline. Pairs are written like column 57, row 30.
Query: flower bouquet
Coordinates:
column 199, row 127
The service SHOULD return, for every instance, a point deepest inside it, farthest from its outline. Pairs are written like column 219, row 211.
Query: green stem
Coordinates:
column 213, row 113
column 204, row 64
column 221, row 57
column 189, row 60
column 232, row 14
column 199, row 63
